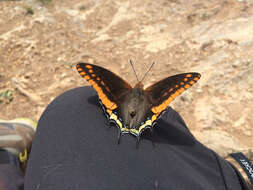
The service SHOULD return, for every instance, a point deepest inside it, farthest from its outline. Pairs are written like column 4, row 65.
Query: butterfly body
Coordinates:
column 136, row 109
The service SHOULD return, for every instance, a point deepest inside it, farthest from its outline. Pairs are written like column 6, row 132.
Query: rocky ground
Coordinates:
column 41, row 40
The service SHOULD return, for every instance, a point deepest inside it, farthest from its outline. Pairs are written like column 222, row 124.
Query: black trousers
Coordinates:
column 75, row 149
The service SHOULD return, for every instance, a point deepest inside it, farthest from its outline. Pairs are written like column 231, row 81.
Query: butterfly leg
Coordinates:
column 108, row 123
column 152, row 136
column 137, row 142
column 119, row 135
column 151, row 131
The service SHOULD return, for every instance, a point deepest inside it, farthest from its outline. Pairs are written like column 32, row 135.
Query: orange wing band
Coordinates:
column 96, row 85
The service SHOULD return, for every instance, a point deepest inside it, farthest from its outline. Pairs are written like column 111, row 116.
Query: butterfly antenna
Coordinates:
column 147, row 71
column 134, row 70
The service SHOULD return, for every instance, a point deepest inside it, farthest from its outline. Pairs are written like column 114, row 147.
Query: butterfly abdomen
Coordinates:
column 134, row 108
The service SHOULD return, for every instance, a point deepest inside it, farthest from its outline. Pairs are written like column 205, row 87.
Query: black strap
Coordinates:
column 245, row 164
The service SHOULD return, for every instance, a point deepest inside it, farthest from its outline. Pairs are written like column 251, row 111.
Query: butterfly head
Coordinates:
column 139, row 85
column 134, row 108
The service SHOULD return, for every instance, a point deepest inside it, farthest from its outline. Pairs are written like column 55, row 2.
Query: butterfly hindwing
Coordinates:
column 166, row 90
column 108, row 85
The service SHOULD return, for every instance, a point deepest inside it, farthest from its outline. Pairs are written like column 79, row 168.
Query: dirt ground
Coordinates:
column 42, row 40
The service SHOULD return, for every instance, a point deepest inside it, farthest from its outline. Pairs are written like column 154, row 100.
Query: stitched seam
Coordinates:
column 221, row 170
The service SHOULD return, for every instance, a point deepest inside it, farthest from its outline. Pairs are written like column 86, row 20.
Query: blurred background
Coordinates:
column 42, row 40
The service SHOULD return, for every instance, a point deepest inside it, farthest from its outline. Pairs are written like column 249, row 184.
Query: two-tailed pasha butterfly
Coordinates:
column 135, row 109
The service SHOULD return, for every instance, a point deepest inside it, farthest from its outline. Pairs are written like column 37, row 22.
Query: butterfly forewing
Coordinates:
column 109, row 86
column 166, row 90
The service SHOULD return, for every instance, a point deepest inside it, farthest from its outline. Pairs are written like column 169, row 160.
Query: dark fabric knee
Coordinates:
column 75, row 149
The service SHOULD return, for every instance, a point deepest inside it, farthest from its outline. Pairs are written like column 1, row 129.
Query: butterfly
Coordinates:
column 134, row 109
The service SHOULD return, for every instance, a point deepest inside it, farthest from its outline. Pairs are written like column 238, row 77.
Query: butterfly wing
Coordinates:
column 112, row 90
column 109, row 86
column 166, row 90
